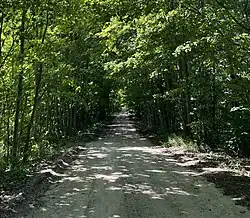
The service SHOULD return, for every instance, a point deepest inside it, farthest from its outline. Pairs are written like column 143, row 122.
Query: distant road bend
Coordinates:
column 122, row 175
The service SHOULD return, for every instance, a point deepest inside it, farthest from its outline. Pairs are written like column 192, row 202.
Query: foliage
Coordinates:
column 185, row 65
column 53, row 81
column 182, row 65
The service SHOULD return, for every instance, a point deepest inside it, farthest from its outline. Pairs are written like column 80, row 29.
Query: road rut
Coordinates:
column 122, row 175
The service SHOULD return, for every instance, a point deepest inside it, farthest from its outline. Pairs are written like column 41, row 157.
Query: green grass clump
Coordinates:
column 174, row 140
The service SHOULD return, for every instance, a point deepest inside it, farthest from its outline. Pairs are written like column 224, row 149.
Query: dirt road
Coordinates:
column 121, row 175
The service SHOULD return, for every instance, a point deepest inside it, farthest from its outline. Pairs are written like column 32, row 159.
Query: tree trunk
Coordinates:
column 19, row 93
column 186, row 97
column 214, row 127
column 35, row 104
column 8, row 143
column 38, row 80
column 1, row 31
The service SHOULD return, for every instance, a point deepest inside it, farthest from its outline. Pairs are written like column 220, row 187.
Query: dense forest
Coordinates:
column 181, row 65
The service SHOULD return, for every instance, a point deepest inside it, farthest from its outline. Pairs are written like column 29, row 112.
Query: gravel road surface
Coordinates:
column 122, row 175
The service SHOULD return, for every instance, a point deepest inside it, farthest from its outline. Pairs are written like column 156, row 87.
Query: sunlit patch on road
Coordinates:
column 122, row 175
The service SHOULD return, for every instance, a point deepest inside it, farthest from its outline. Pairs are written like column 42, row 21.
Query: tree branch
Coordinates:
column 8, row 54
column 46, row 27
column 233, row 17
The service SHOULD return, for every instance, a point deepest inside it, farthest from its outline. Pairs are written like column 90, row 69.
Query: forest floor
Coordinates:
column 122, row 174
column 24, row 191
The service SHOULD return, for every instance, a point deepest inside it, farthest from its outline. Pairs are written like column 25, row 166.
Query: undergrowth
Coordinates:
column 174, row 140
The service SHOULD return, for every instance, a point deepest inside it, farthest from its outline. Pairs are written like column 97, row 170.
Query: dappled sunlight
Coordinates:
column 142, row 175
column 101, row 168
column 97, row 155
column 60, row 205
column 126, row 155
column 189, row 163
column 111, row 178
column 43, row 209
column 177, row 191
column 148, row 190
column 113, row 188
column 117, row 172
column 72, row 179
column 214, row 169
column 128, row 129
column 108, row 143
column 187, row 173
column 115, row 180
column 79, row 168
column 156, row 171
column 129, row 136
column 143, row 149
column 113, row 126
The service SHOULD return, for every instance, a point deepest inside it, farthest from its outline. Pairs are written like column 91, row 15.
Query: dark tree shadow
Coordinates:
column 236, row 186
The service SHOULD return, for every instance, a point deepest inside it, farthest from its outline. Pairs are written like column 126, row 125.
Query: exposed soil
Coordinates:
column 26, row 192
column 231, row 174
column 124, row 175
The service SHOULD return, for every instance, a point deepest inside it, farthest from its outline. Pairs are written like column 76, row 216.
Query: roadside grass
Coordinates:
column 230, row 173
column 178, row 141
column 225, row 171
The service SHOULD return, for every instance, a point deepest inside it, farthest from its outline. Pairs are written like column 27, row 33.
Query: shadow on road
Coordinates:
column 122, row 175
